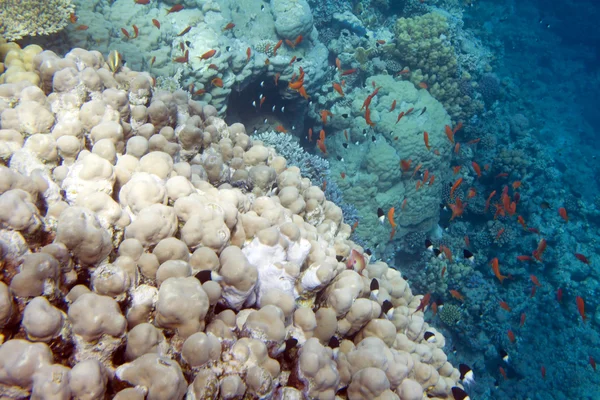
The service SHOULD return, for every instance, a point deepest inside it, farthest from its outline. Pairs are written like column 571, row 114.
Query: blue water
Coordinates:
column 542, row 107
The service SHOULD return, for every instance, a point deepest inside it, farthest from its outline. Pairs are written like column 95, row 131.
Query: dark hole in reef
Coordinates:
column 244, row 107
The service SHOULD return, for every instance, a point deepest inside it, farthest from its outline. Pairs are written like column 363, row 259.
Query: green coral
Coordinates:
column 423, row 43
column 450, row 314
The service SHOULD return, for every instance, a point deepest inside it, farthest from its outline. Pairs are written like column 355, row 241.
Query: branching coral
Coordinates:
column 19, row 18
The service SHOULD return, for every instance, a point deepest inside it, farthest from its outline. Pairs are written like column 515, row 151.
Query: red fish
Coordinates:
column 144, row 2
column 505, row 306
column 533, row 290
column 522, row 222
column 503, row 373
column 125, row 32
column 487, row 202
column 449, row 133
column 522, row 320
column 276, row 47
column 424, row 303
column 443, row 269
column 400, row 116
column 156, row 23
column 229, row 26
column 338, row 88
column 405, row 165
column 277, row 75
column 582, row 258
column 423, row 85
column 477, row 169
column 511, row 336
column 248, row 54
column 183, row 59
column 73, row 18
column 82, row 28
column 581, row 308
column 496, row 269
column 537, row 253
column 523, row 258
column 563, row 214
column 348, row 72
column 218, row 82
column 434, row 308
column 390, row 216
column 208, row 54
column 175, row 8
column 183, row 32
column 457, row 295
column 516, row 185
column 310, row 135
column 426, row 140
column 593, row 363
column 455, row 186
column 393, row 106
column 535, row 280
column 280, row 129
column 456, row 148
column 559, row 295
column 457, row 208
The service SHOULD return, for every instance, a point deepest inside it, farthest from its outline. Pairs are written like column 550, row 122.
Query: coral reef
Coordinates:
column 157, row 252
column 20, row 18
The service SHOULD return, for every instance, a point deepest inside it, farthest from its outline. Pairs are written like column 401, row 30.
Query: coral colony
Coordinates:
column 222, row 199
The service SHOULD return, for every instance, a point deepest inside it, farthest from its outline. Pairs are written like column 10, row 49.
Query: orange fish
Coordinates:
column 500, row 232
column 456, row 148
column 409, row 110
column 404, row 71
column 73, row 18
column 516, row 185
column 82, row 28
column 423, row 85
column 156, row 23
column 426, row 140
column 183, row 32
column 535, row 280
column 343, row 175
column 467, row 241
column 434, row 308
column 338, row 64
column 457, row 295
column 183, row 59
column 324, row 115
column 152, row 61
column 248, row 54
column 346, row 135
column 229, row 26
column 593, row 363
column 213, row 66
column 262, row 101
column 511, row 336
column 276, row 47
column 218, row 82
column 417, row 168
column 447, row 252
column 537, row 253
column 457, row 208
column 503, row 373
column 496, row 269
column 354, row 226
column 471, row 193
column 443, row 271
column 199, row 92
column 474, row 141
column 310, row 135
column 393, row 106
column 403, row 204
column 424, row 303
column 405, row 165
column 292, row 60
column 175, row 8
column 425, row 175
column 487, row 202
column 523, row 258
column 280, row 129
column 400, row 116
column 419, row 184
column 505, row 306
column 477, row 169
column 521, row 221
column 208, row 54
column 522, row 320
column 582, row 258
column 533, row 290
column 125, row 32
column 368, row 117
column 563, row 214
column 449, row 133
column 298, row 40
column 431, row 180
column 321, row 146
column 380, row 41
column 455, row 169
column 142, row 2
column 136, row 31
column 348, row 71
column 390, row 216
column 581, row 308
column 338, row 88
column 455, row 186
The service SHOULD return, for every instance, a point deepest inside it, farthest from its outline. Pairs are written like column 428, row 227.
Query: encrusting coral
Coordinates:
column 167, row 254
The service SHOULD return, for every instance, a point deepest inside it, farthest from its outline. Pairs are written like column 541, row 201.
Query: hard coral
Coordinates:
column 185, row 259
column 19, row 18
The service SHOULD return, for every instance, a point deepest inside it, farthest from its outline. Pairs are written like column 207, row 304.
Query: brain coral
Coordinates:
column 19, row 18
column 174, row 257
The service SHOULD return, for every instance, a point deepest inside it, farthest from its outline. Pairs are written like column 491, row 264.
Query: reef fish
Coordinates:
column 424, row 303
column 356, row 261
column 208, row 54
column 582, row 258
column 175, row 8
column 496, row 269
column 581, row 308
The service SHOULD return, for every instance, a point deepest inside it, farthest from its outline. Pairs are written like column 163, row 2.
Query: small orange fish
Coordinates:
column 455, row 186
column 521, row 221
column 424, row 303
column 346, row 135
column 487, row 202
column 467, row 241
column 405, row 165
column 82, row 28
column 390, row 216
column 456, row 169
column 343, row 175
column 292, row 60
column 276, row 47
column 431, row 180
column 213, row 66
column 443, row 271
column 324, row 115
column 183, row 32
column 393, row 107
column 426, row 140
column 324, row 186
column 400, row 116
column 152, row 61
column 348, row 71
column 403, row 204
column 298, row 40
column 449, row 133
column 477, row 169
column 321, row 146
column 125, row 32
column 434, row 308
column 511, row 336
column 262, row 101
column 229, row 26
column 523, row 258
column 516, row 185
column 156, row 23
column 144, row 2
column 73, row 18
column 417, row 168
column 310, row 135
column 136, row 31
column 368, row 117
column 175, row 8
column 199, row 92
column 338, row 88
column 338, row 64
column 563, row 214
column 581, row 308
column 500, row 232
column 356, row 261
column 522, row 320
column 471, row 193
column 457, row 295
column 184, row 59
column 280, row 129
column 505, row 306
column 423, row 85
column 503, row 373
column 380, row 41
column 248, row 54
column 535, row 280
column 218, row 82
column 496, row 269
column 354, row 226
column 456, row 148
column 537, row 253
column 208, row 54
column 404, row 71
column 582, row 258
